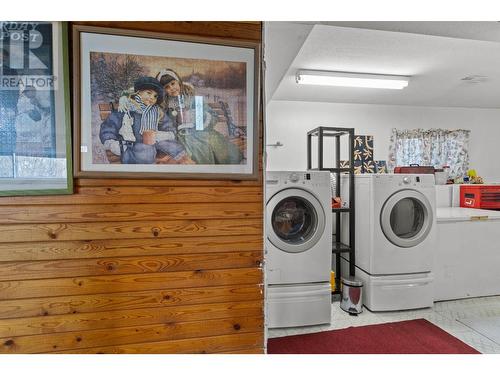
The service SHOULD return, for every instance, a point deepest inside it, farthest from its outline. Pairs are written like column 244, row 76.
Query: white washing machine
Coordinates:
column 298, row 248
column 395, row 239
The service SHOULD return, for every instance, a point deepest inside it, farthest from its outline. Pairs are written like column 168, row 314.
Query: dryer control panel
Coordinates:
column 422, row 180
column 407, row 180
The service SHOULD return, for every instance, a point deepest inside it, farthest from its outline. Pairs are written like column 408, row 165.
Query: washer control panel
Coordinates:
column 298, row 177
column 312, row 179
column 294, row 177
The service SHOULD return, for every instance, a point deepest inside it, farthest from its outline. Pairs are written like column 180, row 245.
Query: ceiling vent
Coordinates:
column 475, row 78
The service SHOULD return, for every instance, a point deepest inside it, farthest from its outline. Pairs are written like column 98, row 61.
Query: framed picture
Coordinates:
column 164, row 106
column 35, row 130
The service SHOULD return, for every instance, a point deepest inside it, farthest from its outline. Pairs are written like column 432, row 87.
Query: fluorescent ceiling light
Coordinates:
column 328, row 78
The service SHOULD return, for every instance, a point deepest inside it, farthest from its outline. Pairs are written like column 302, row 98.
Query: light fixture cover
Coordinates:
column 348, row 79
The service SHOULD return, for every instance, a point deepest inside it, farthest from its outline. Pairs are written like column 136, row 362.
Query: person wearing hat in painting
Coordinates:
column 133, row 132
column 204, row 145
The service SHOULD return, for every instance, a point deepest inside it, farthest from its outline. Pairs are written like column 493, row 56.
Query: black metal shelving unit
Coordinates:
column 337, row 246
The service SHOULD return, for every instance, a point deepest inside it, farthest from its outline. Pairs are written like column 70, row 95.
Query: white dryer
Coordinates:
column 395, row 238
column 298, row 248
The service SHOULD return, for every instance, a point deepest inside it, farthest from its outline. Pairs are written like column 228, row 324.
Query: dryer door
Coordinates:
column 295, row 220
column 406, row 218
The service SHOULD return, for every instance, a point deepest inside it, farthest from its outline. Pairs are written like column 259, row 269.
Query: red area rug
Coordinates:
column 408, row 337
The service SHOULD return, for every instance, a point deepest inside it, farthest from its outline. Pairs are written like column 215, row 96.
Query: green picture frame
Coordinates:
column 35, row 121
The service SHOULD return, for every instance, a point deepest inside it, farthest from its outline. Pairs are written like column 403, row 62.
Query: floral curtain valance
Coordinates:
column 436, row 147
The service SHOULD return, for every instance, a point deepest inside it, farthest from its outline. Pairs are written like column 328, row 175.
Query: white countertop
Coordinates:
column 465, row 214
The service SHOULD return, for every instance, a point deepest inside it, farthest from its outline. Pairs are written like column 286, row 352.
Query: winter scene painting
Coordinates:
column 155, row 106
column 157, row 110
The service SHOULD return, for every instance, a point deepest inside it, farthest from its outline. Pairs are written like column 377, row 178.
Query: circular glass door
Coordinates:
column 295, row 220
column 406, row 218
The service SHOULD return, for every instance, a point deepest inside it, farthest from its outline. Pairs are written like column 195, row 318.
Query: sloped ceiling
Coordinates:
column 437, row 66
column 476, row 30
column 283, row 41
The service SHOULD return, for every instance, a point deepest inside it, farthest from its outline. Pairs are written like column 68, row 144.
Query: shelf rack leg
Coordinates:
column 337, row 214
column 309, row 161
column 352, row 215
column 320, row 148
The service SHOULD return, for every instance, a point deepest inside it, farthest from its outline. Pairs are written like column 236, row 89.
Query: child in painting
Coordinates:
column 133, row 132
column 204, row 146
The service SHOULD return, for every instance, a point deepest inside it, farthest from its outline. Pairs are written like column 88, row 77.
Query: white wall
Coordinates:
column 288, row 122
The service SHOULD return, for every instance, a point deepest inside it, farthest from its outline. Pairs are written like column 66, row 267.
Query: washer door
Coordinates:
column 296, row 220
column 406, row 218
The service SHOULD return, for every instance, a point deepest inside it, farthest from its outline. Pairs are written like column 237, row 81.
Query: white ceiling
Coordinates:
column 436, row 64
column 477, row 30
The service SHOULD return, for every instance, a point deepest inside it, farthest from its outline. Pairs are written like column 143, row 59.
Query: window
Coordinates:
column 435, row 147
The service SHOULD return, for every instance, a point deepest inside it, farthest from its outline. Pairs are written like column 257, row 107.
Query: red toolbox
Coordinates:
column 480, row 196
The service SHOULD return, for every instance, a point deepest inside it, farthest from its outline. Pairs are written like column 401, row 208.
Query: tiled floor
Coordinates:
column 443, row 314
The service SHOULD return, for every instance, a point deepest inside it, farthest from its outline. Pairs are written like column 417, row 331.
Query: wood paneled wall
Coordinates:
column 136, row 266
